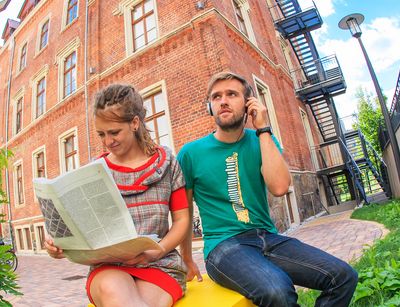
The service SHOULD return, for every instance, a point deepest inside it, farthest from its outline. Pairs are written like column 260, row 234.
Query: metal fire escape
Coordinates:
column 349, row 168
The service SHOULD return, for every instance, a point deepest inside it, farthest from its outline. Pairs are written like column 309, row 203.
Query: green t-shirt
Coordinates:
column 227, row 185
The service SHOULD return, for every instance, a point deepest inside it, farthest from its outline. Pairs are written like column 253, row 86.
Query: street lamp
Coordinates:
column 352, row 22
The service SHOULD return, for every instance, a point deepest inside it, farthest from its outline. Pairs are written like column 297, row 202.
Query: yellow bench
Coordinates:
column 208, row 293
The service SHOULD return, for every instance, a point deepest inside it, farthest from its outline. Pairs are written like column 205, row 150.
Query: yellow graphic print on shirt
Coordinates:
column 234, row 191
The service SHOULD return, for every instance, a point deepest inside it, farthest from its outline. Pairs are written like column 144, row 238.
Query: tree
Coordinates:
column 369, row 117
column 8, row 278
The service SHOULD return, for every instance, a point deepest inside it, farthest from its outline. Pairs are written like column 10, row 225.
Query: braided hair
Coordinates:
column 121, row 103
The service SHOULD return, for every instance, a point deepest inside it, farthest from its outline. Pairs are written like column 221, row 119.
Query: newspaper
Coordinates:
column 86, row 216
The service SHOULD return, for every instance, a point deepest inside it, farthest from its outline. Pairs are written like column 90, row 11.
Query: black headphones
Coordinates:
column 248, row 92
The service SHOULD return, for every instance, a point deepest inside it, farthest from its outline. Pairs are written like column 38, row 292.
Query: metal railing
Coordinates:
column 318, row 72
column 328, row 155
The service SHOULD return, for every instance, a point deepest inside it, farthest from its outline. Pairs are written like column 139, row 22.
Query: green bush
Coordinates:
column 8, row 278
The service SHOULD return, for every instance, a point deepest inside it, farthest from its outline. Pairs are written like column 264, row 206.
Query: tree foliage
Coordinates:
column 8, row 279
column 369, row 117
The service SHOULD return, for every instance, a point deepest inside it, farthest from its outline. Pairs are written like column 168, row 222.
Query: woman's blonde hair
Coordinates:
column 121, row 103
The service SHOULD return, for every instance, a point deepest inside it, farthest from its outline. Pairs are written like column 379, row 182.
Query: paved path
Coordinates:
column 48, row 282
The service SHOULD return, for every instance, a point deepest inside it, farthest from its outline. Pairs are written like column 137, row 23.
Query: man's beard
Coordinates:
column 232, row 125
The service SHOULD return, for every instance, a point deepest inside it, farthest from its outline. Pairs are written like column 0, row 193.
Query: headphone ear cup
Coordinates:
column 209, row 109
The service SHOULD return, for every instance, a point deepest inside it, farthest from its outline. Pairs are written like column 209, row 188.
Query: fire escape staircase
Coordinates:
column 316, row 82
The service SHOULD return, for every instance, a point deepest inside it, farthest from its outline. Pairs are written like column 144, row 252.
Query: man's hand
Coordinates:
column 258, row 113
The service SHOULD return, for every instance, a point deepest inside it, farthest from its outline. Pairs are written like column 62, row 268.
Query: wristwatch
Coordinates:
column 267, row 129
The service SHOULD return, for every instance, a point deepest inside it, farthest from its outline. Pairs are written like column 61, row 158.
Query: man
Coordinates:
column 227, row 173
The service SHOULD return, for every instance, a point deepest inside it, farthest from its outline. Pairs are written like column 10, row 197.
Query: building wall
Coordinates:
column 192, row 45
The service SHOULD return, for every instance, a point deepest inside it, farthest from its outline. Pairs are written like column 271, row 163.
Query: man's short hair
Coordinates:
column 226, row 75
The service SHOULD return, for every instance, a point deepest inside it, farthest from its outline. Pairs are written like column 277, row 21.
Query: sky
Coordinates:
column 381, row 38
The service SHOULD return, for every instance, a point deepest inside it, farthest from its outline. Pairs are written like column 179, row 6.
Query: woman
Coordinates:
column 152, row 185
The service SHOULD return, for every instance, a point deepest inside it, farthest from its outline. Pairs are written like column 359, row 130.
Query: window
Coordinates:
column 140, row 22
column 18, row 118
column 241, row 9
column 22, row 57
column 157, row 120
column 70, row 74
column 44, row 34
column 67, row 62
column 40, row 169
column 41, row 97
column 72, row 11
column 18, row 184
column 240, row 19
column 264, row 96
column 143, row 24
column 39, row 91
column 40, row 235
column 24, row 239
column 69, row 151
column 18, row 107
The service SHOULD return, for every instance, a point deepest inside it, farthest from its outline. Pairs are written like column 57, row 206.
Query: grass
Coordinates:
column 379, row 267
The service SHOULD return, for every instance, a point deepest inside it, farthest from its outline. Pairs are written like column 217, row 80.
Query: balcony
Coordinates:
column 316, row 79
column 291, row 21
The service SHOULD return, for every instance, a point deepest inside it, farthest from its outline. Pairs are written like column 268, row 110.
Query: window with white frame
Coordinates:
column 157, row 117
column 241, row 10
column 69, row 151
column 70, row 74
column 41, row 97
column 39, row 91
column 70, row 13
column 18, row 115
column 40, row 236
column 44, row 35
column 39, row 163
column 67, row 61
column 140, row 20
column 23, row 238
column 18, row 184
column 22, row 56
column 264, row 96
column 18, row 107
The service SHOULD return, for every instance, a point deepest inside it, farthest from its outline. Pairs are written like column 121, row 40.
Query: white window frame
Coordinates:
column 61, row 56
column 42, row 73
column 39, row 50
column 270, row 107
column 152, row 89
column 64, row 24
column 19, row 69
column 15, row 181
column 61, row 148
column 34, row 162
column 20, row 94
column 244, row 9
column 37, row 237
column 24, row 239
column 125, row 8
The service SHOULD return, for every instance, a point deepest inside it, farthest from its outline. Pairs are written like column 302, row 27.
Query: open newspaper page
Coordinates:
column 87, row 217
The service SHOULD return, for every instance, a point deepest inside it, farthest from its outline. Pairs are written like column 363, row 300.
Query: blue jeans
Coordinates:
column 264, row 267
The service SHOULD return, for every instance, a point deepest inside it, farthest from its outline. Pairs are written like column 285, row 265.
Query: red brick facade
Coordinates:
column 191, row 45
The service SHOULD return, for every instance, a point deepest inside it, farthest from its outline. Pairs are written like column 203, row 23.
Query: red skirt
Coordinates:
column 154, row 276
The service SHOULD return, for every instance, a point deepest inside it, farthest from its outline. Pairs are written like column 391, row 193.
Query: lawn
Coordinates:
column 379, row 267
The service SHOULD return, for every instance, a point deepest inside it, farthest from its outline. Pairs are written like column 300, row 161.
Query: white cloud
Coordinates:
column 325, row 7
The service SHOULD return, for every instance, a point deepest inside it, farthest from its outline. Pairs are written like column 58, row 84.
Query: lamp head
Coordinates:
column 352, row 22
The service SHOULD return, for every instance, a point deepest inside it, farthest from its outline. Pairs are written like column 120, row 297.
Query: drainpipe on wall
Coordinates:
column 86, row 79
column 7, row 178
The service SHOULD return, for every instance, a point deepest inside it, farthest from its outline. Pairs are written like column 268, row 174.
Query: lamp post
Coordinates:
column 352, row 22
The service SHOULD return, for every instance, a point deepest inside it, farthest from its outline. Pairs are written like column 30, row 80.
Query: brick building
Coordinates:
column 63, row 51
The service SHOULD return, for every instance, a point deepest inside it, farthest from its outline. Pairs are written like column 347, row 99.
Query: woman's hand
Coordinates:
column 146, row 257
column 52, row 250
